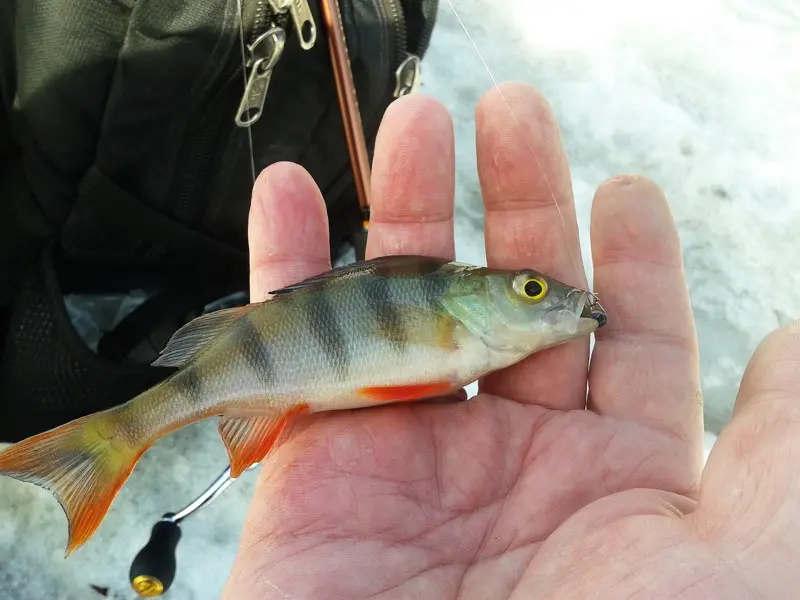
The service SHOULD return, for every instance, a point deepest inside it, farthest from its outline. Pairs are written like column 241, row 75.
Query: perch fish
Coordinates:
column 392, row 329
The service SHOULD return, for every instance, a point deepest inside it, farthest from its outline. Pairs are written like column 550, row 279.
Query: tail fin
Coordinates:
column 84, row 463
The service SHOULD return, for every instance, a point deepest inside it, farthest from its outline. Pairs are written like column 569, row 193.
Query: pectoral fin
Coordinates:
column 249, row 439
column 415, row 326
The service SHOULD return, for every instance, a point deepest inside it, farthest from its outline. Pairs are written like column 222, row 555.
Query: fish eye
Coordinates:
column 532, row 288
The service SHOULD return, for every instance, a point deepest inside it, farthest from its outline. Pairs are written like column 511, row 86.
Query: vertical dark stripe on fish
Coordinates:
column 256, row 353
column 325, row 329
column 432, row 288
column 190, row 385
column 379, row 302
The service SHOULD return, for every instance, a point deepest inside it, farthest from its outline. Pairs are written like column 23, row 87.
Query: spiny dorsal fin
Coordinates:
column 249, row 439
column 197, row 333
column 387, row 266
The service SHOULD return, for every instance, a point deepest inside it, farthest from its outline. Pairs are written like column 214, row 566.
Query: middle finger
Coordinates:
column 530, row 223
column 413, row 181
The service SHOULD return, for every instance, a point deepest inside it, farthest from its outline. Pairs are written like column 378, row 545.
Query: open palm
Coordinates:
column 526, row 491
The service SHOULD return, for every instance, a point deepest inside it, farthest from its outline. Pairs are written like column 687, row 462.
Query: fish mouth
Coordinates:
column 592, row 309
column 580, row 314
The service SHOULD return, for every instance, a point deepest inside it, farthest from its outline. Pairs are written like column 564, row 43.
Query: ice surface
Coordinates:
column 701, row 96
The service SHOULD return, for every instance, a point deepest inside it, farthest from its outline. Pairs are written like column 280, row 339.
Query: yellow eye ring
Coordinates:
column 533, row 288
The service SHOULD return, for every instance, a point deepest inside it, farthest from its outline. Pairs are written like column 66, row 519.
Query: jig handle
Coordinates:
column 153, row 569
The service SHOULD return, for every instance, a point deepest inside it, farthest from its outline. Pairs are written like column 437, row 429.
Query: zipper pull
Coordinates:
column 302, row 17
column 265, row 52
column 407, row 76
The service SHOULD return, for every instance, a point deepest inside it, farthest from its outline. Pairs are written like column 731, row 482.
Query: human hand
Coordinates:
column 521, row 492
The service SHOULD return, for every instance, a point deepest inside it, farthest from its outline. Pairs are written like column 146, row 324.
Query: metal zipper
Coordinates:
column 425, row 38
column 265, row 52
column 265, row 49
column 401, row 35
column 203, row 141
column 408, row 76
column 408, row 70
column 302, row 18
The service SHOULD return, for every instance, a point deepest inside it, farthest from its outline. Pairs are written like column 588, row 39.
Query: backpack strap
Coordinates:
column 122, row 171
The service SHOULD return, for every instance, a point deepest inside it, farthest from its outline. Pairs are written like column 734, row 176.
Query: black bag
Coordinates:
column 125, row 178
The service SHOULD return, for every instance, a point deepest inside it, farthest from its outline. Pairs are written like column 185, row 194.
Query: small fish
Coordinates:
column 391, row 329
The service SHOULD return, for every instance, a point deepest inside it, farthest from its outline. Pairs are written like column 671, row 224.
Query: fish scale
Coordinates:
column 391, row 329
column 299, row 344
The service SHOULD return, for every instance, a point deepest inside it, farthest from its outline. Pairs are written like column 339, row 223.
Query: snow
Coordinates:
column 700, row 96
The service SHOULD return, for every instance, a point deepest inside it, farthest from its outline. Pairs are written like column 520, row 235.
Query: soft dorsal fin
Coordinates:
column 197, row 333
column 249, row 439
column 388, row 266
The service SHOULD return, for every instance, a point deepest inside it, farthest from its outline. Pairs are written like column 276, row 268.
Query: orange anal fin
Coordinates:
column 249, row 439
column 405, row 393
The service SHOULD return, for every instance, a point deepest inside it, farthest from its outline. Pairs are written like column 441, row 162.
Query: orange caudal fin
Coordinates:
column 84, row 463
column 249, row 439
column 406, row 393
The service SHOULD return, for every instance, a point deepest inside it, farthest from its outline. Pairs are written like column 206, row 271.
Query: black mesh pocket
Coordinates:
column 48, row 375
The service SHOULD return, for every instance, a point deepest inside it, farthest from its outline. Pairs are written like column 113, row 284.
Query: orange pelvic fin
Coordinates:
column 84, row 463
column 249, row 439
column 406, row 393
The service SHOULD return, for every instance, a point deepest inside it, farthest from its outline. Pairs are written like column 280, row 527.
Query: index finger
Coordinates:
column 530, row 223
column 287, row 229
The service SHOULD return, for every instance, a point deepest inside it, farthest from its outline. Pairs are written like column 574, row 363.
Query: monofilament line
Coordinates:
column 575, row 263
column 247, row 96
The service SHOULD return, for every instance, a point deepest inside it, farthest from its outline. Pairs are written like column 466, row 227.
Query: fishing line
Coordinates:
column 573, row 260
column 247, row 96
column 575, row 264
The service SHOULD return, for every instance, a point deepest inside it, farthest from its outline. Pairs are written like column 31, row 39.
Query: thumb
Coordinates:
column 750, row 491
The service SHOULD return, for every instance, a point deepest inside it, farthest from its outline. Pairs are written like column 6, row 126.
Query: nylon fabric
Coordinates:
column 122, row 170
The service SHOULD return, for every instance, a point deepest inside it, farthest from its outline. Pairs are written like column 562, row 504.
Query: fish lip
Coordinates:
column 583, row 310
column 592, row 309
